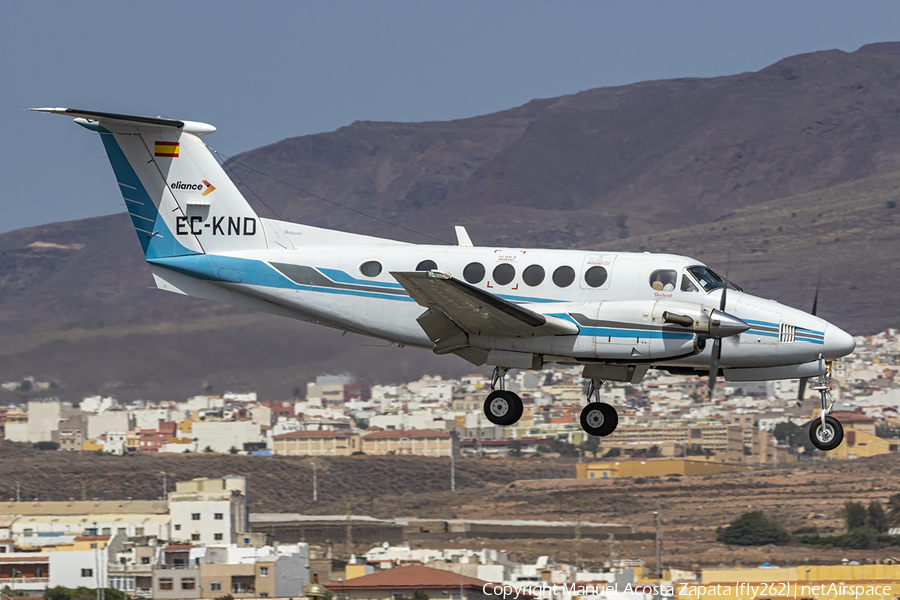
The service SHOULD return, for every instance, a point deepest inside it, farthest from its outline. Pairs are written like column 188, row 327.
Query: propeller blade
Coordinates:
column 816, row 297
column 716, row 354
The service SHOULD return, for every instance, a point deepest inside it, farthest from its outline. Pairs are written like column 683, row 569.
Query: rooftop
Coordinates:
column 85, row 508
column 412, row 577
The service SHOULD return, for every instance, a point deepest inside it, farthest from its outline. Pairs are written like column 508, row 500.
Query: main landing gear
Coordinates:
column 598, row 418
column 825, row 432
column 502, row 407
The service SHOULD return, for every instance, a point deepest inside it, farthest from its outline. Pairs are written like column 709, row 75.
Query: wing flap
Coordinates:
column 476, row 311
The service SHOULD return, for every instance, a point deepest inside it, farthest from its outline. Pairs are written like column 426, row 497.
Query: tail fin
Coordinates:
column 180, row 200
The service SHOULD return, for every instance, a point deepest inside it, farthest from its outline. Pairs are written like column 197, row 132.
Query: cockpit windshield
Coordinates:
column 710, row 280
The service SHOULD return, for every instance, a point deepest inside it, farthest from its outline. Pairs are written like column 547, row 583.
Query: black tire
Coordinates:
column 829, row 437
column 599, row 418
column 503, row 407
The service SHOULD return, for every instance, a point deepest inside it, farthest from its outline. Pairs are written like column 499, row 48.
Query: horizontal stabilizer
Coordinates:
column 476, row 311
column 94, row 115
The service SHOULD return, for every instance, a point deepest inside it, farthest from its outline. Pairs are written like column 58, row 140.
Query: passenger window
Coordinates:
column 371, row 268
column 663, row 280
column 564, row 276
column 595, row 276
column 687, row 285
column 533, row 275
column 474, row 272
column 504, row 273
column 426, row 265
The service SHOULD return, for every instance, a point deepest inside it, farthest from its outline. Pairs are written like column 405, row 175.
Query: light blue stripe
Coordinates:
column 634, row 333
column 764, row 323
column 813, row 331
column 807, row 339
column 253, row 272
column 344, row 277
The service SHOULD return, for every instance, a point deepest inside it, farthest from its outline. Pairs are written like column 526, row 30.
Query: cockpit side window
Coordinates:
column 663, row 280
column 687, row 285
column 710, row 280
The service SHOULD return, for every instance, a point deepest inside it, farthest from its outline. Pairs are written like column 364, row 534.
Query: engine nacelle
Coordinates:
column 690, row 316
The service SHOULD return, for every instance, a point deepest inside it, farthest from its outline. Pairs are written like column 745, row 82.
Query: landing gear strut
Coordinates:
column 825, row 432
column 598, row 418
column 502, row 407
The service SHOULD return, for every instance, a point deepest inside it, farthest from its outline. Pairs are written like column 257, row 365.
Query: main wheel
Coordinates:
column 827, row 437
column 503, row 407
column 599, row 418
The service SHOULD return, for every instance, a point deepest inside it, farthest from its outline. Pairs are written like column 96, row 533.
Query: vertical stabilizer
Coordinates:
column 180, row 200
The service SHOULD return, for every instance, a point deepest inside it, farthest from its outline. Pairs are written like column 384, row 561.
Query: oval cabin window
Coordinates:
column 564, row 276
column 504, row 273
column 370, row 268
column 474, row 272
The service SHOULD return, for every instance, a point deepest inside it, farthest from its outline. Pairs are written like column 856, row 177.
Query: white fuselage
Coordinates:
column 344, row 281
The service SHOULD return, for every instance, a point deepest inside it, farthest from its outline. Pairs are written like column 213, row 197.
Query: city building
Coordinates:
column 209, row 511
column 401, row 582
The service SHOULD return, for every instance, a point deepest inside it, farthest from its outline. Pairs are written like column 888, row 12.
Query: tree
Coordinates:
column 612, row 453
column 753, row 529
column 515, row 448
column 861, row 538
column 793, row 435
column 564, row 448
column 893, row 510
column 855, row 515
column 592, row 445
column 208, row 449
column 46, row 446
column 878, row 519
column 233, row 450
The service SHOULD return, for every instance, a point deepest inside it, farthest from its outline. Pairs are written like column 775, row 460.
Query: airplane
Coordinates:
column 615, row 314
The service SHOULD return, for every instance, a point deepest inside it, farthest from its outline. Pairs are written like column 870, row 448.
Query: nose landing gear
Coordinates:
column 598, row 418
column 826, row 432
column 502, row 407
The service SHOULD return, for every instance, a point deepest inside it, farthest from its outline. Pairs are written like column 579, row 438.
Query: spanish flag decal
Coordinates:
column 169, row 149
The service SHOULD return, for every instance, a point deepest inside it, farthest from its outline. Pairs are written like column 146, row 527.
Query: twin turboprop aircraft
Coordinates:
column 616, row 314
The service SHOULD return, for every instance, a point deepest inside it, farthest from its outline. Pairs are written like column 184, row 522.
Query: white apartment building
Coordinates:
column 209, row 511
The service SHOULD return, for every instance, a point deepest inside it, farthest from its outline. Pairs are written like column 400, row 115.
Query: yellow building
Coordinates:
column 859, row 444
column 132, row 442
column 658, row 467
column 91, row 445
column 419, row 442
column 826, row 582
column 314, row 443
column 249, row 580
column 185, row 428
column 80, row 544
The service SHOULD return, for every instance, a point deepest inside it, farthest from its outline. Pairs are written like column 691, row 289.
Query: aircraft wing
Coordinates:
column 476, row 311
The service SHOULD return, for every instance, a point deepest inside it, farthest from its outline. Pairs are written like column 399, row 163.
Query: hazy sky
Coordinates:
column 264, row 71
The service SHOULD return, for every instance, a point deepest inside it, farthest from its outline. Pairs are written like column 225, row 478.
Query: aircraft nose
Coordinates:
column 838, row 342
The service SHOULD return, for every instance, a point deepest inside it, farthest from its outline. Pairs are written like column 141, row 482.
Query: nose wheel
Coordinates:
column 825, row 432
column 502, row 407
column 598, row 418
